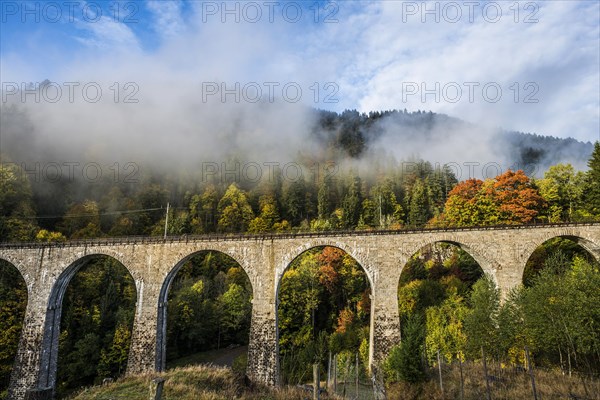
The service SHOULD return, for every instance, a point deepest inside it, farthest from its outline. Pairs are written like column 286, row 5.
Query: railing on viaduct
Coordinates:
column 143, row 239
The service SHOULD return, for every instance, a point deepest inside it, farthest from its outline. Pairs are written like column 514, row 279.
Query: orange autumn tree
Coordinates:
column 518, row 201
column 331, row 260
column 509, row 198
column 461, row 208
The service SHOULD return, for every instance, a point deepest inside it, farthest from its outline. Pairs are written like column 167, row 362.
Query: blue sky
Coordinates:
column 530, row 66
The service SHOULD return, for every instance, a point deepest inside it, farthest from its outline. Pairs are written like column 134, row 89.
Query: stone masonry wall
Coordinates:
column 47, row 270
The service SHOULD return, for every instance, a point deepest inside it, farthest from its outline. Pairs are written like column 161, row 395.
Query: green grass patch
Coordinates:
column 200, row 382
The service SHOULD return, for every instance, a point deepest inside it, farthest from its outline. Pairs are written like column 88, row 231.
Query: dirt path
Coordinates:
column 225, row 357
column 221, row 357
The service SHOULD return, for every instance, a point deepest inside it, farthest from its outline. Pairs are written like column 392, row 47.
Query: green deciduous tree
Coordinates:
column 269, row 215
column 512, row 336
column 562, row 188
column 13, row 300
column 17, row 222
column 234, row 210
column 445, row 328
column 323, row 302
column 561, row 312
column 192, row 319
column 417, row 295
column 45, row 236
column 208, row 213
column 98, row 302
column 299, row 295
column 82, row 220
column 113, row 360
column 235, row 312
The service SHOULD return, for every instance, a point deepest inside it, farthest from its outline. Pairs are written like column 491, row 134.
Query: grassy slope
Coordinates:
column 210, row 382
column 505, row 384
column 189, row 383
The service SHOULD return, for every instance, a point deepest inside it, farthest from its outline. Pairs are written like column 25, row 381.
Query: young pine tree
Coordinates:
column 592, row 193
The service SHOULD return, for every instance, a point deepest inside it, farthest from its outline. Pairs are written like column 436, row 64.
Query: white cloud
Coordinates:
column 107, row 33
column 167, row 14
column 559, row 54
column 370, row 53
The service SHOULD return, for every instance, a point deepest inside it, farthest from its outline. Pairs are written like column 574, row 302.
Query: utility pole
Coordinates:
column 380, row 221
column 166, row 221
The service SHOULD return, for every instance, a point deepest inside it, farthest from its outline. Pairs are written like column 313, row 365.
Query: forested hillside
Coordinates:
column 414, row 133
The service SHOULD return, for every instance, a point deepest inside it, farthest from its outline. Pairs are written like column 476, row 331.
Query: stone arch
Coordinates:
column 486, row 265
column 49, row 357
column 486, row 262
column 590, row 246
column 19, row 265
column 161, row 333
column 83, row 255
column 18, row 338
column 360, row 258
column 300, row 250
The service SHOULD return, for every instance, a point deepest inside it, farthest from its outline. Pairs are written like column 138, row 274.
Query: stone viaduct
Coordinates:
column 153, row 263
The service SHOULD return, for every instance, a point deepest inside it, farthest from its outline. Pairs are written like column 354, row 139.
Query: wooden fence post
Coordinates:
column 317, row 382
column 356, row 375
column 329, row 372
column 156, row 388
column 346, row 376
column 531, row 373
column 485, row 373
column 335, row 373
column 440, row 372
column 462, row 382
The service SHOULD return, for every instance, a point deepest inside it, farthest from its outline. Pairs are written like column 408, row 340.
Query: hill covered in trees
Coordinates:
column 441, row 138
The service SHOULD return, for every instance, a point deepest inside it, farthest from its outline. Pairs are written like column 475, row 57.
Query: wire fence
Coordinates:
column 496, row 380
column 347, row 377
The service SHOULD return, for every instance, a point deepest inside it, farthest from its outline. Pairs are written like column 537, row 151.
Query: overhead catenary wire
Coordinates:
column 141, row 210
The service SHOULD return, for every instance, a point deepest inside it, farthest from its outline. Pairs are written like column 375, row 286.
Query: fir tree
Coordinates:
column 352, row 204
column 592, row 194
column 418, row 212
column 325, row 202
column 294, row 202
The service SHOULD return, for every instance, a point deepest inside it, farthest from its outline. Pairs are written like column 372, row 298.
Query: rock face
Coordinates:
column 153, row 263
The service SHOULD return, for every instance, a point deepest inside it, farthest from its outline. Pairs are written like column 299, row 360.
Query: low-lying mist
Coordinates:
column 188, row 132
